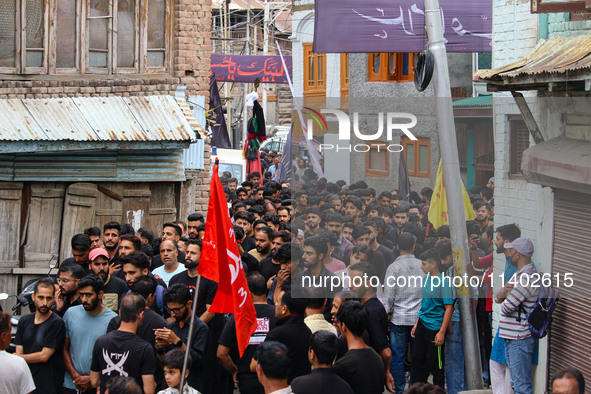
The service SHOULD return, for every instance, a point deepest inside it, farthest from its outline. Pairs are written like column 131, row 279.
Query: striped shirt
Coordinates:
column 523, row 297
column 402, row 290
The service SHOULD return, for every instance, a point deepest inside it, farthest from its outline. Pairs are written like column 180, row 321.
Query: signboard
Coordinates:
column 542, row 6
column 247, row 68
column 345, row 26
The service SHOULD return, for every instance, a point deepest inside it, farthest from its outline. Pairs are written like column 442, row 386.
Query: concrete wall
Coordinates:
column 515, row 34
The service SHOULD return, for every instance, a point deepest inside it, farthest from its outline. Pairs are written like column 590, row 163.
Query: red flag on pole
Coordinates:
column 220, row 262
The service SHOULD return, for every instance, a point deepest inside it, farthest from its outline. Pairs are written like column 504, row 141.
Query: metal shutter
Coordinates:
column 570, row 339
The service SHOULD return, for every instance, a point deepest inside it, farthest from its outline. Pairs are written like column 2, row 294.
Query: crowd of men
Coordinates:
column 116, row 318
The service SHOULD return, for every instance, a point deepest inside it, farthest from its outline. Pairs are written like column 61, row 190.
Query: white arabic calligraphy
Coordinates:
column 111, row 366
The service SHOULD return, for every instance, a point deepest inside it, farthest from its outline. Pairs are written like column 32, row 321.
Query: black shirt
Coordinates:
column 248, row 243
column 247, row 380
column 267, row 268
column 48, row 376
column 150, row 322
column 377, row 325
column 199, row 341
column 295, row 335
column 387, row 253
column 363, row 370
column 120, row 353
column 71, row 260
column 250, row 262
column 68, row 305
column 321, row 381
column 207, row 289
column 114, row 289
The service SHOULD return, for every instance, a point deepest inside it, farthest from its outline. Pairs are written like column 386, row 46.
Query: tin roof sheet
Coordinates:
column 554, row 55
column 145, row 118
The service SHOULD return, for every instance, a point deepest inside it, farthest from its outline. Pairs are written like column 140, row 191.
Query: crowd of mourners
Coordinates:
column 116, row 317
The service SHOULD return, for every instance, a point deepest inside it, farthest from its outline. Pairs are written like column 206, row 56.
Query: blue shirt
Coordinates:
column 434, row 298
column 83, row 330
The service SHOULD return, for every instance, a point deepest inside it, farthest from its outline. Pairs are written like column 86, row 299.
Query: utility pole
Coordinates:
column 453, row 190
column 265, row 51
column 245, row 85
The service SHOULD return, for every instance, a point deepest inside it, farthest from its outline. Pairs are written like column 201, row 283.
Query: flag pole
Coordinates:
column 190, row 336
column 453, row 190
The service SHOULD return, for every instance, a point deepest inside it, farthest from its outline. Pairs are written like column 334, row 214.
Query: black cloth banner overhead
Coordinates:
column 219, row 130
column 248, row 68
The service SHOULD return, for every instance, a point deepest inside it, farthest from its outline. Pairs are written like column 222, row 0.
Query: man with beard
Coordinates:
column 284, row 214
column 128, row 243
column 262, row 239
column 111, row 234
column 67, row 294
column 84, row 324
column 136, row 265
column 170, row 232
column 40, row 340
column 80, row 249
column 482, row 211
column 373, row 227
column 334, row 222
column 179, row 303
column 114, row 287
column 268, row 267
column 313, row 221
column 315, row 249
column 362, row 285
column 169, row 254
column 194, row 220
column 362, row 236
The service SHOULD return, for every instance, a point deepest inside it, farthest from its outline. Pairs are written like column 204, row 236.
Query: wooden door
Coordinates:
column 109, row 204
column 136, row 205
column 10, row 230
column 162, row 206
column 79, row 213
column 43, row 224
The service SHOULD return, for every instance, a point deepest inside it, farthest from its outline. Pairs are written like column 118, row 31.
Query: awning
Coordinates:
column 556, row 60
column 561, row 162
column 59, row 124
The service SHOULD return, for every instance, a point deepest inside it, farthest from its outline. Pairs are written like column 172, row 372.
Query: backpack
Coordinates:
column 540, row 317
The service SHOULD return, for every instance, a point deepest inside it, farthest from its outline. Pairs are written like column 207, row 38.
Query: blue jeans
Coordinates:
column 454, row 359
column 399, row 340
column 519, row 353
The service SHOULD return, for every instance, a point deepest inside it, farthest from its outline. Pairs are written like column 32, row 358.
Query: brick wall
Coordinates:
column 191, row 60
column 560, row 24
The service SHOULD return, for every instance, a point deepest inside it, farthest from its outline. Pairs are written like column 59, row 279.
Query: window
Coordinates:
column 85, row 36
column 344, row 75
column 519, row 142
column 314, row 72
column 418, row 156
column 377, row 160
column 391, row 67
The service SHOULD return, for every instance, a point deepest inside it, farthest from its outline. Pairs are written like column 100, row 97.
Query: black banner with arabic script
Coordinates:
column 247, row 68
column 346, row 26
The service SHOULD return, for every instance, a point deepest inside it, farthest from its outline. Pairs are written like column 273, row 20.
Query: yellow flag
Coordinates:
column 438, row 207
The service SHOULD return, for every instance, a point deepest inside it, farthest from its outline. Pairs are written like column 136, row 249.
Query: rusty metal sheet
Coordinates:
column 554, row 55
column 149, row 118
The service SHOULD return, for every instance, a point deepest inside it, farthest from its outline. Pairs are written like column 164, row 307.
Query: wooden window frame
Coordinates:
column 314, row 91
column 384, row 75
column 344, row 75
column 515, row 123
column 373, row 173
column 82, row 26
column 405, row 141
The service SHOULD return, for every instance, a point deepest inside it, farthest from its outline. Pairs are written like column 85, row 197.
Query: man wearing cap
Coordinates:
column 517, row 298
column 114, row 287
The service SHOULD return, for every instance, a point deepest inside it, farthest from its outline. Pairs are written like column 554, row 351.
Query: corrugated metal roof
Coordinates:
column 480, row 101
column 145, row 118
column 554, row 55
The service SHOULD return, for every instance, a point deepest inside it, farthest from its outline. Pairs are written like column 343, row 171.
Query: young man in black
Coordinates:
column 361, row 366
column 40, row 340
column 122, row 352
column 179, row 303
column 240, row 370
column 111, row 234
column 322, row 379
column 67, row 295
column 80, row 248
column 114, row 287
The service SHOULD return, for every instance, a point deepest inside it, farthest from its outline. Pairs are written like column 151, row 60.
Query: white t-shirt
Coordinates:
column 15, row 375
column 165, row 275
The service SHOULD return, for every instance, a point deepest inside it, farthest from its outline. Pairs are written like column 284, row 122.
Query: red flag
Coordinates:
column 220, row 262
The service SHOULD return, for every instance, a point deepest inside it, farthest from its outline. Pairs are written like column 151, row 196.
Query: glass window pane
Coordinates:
column 66, row 34
column 410, row 157
column 423, row 158
column 35, row 26
column 156, row 59
column 126, row 34
column 392, row 64
column 376, row 63
column 98, row 33
column 156, row 23
column 97, row 59
column 311, row 71
column 378, row 160
column 320, row 70
column 34, row 58
column 7, row 33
